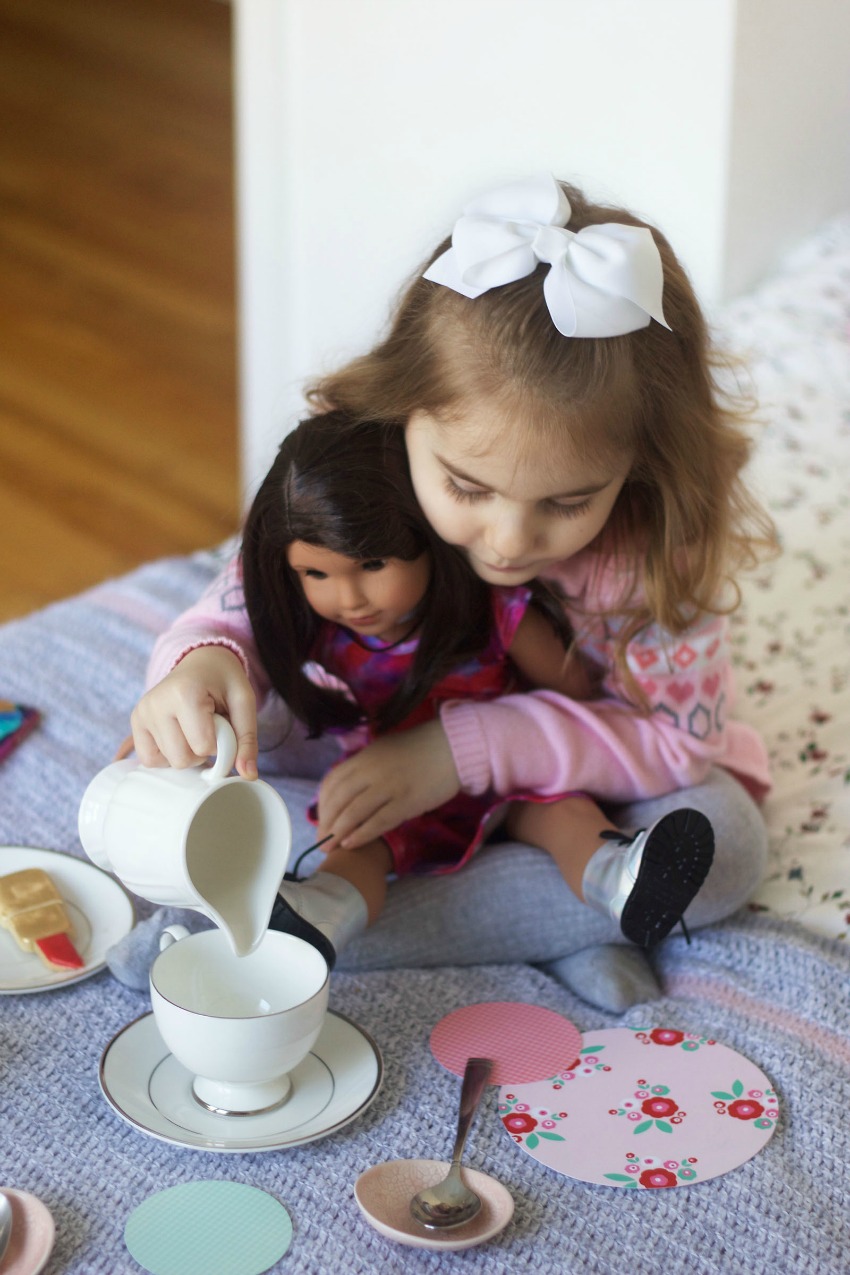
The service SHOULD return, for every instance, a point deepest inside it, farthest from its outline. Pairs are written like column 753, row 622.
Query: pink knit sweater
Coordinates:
column 541, row 741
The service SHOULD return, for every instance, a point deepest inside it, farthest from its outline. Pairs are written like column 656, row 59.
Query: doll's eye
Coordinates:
column 313, row 574
column 373, row 564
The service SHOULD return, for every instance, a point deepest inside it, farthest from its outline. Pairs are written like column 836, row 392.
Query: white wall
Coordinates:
column 789, row 155
column 363, row 125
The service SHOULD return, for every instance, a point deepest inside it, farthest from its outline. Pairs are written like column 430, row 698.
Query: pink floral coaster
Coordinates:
column 653, row 1108
column 525, row 1042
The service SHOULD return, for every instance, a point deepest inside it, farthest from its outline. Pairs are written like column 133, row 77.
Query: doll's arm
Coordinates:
column 539, row 654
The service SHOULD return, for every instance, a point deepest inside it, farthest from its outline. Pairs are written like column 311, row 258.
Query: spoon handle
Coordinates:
column 475, row 1077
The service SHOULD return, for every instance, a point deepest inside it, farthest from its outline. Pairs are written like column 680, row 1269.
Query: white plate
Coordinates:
column 149, row 1089
column 98, row 905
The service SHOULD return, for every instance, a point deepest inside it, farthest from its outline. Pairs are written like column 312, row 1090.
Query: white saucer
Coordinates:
column 149, row 1089
column 98, row 905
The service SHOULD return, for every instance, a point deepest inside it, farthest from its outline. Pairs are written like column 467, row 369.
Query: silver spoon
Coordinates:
column 5, row 1224
column 450, row 1202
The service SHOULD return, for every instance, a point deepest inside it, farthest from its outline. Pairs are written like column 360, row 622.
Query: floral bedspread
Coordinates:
column 792, row 635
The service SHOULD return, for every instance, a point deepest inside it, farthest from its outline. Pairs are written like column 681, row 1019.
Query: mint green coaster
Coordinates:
column 200, row 1227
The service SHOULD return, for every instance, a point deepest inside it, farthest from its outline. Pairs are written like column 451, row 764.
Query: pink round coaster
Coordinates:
column 33, row 1232
column 525, row 1042
column 644, row 1109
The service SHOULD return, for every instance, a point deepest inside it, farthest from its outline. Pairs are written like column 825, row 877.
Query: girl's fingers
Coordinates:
column 147, row 749
column 179, row 751
column 199, row 734
column 240, row 707
column 247, row 767
column 124, row 748
column 336, row 792
column 246, row 744
column 353, row 825
column 379, row 822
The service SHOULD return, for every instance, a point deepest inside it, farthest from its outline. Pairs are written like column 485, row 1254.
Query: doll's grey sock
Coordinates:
column 329, row 904
column 131, row 958
column 609, row 975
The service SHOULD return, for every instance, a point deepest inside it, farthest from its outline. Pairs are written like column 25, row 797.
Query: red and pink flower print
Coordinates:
column 519, row 1122
column 657, row 1178
column 745, row 1109
column 658, row 1107
column 666, row 1036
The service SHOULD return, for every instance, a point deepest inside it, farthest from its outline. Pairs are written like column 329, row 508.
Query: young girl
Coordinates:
column 551, row 375
column 365, row 622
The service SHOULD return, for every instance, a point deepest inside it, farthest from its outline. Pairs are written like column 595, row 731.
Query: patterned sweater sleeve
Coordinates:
column 218, row 618
column 545, row 743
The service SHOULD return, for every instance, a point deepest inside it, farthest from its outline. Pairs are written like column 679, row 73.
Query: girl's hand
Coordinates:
column 393, row 779
column 173, row 722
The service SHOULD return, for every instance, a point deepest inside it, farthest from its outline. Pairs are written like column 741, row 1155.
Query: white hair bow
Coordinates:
column 604, row 280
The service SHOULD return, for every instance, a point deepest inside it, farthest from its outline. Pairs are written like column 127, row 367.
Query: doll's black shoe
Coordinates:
column 325, row 910
column 285, row 918
column 648, row 880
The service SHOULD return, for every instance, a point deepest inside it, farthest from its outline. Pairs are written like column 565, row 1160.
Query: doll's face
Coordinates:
column 373, row 597
column 515, row 512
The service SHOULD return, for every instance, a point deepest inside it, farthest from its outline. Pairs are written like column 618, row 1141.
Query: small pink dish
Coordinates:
column 384, row 1193
column 33, row 1232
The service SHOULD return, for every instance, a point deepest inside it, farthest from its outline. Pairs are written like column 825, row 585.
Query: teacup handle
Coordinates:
column 172, row 934
column 226, row 747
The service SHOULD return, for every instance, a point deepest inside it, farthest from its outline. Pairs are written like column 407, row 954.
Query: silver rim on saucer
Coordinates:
column 146, row 1086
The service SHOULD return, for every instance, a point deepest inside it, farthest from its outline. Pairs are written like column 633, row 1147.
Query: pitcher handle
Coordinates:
column 226, row 746
column 172, row 934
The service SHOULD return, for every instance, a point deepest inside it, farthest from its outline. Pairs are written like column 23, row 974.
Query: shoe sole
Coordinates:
column 288, row 921
column 676, row 858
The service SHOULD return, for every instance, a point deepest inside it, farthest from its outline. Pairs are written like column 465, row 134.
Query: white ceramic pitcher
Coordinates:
column 199, row 838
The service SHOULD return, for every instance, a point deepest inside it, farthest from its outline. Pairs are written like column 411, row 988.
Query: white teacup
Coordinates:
column 199, row 838
column 240, row 1025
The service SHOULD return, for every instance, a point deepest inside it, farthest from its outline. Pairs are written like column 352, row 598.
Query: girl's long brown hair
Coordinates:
column 684, row 523
column 345, row 487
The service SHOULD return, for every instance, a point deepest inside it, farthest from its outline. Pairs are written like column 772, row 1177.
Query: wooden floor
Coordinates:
column 118, row 438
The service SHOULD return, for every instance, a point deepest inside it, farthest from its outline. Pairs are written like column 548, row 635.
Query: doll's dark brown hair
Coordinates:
column 684, row 522
column 345, row 487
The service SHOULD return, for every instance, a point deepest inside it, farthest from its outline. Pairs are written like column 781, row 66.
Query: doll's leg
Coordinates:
column 571, row 831
column 338, row 901
column 367, row 870
column 644, row 880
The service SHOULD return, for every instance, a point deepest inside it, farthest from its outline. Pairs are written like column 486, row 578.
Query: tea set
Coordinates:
column 241, row 1052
